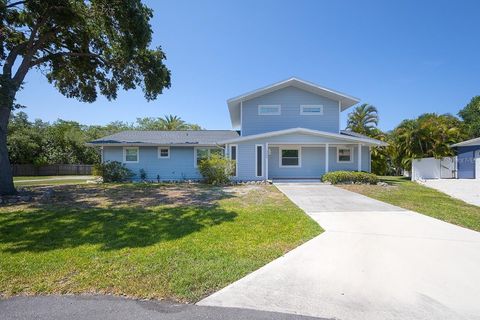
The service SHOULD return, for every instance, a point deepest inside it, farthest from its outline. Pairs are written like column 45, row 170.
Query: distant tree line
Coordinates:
column 63, row 142
column 429, row 135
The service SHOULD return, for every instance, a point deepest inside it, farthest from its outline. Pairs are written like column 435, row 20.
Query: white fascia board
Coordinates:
column 305, row 131
column 149, row 145
column 296, row 82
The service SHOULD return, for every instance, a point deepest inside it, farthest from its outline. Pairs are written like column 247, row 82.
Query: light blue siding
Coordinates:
column 334, row 165
column 466, row 161
column 289, row 99
column 179, row 166
column 312, row 160
column 312, row 164
column 246, row 162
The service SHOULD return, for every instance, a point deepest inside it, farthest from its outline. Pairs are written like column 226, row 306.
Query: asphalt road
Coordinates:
column 117, row 308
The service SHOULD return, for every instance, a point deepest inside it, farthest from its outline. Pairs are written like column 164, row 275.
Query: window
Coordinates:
column 163, row 152
column 258, row 160
column 269, row 110
column 289, row 158
column 130, row 154
column 233, row 156
column 311, row 110
column 205, row 153
column 344, row 154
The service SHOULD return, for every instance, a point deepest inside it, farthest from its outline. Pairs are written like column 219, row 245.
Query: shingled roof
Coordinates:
column 184, row 137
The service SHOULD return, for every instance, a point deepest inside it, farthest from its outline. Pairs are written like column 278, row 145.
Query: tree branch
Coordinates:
column 12, row 56
column 11, row 5
column 64, row 54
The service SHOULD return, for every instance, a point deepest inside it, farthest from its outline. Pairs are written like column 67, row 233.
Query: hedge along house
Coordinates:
column 468, row 159
column 288, row 130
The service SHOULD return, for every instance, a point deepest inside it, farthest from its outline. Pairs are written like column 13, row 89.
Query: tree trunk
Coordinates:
column 6, row 178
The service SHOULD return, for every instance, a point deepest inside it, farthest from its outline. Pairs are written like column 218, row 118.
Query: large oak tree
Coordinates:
column 84, row 48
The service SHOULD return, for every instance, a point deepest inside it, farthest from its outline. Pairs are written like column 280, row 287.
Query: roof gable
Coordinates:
column 345, row 100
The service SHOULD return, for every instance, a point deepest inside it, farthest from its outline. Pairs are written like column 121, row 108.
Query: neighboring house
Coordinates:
column 468, row 159
column 288, row 130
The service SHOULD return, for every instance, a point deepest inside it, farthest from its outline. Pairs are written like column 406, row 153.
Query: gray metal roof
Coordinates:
column 358, row 135
column 471, row 142
column 197, row 137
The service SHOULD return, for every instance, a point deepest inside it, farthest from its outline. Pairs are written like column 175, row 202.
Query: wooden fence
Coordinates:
column 51, row 169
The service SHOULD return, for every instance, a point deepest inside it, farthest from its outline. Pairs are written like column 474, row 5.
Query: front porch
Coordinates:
column 311, row 161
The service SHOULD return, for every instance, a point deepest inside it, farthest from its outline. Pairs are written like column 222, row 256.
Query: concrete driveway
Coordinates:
column 467, row 190
column 374, row 261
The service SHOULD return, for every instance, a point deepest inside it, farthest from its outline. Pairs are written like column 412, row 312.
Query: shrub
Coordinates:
column 217, row 169
column 336, row 177
column 97, row 170
column 113, row 171
column 143, row 174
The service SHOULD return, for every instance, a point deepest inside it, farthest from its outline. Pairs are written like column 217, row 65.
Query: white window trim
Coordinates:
column 160, row 154
column 195, row 153
column 280, row 149
column 125, row 155
column 351, row 154
column 236, row 154
column 279, row 112
column 306, row 113
column 256, row 160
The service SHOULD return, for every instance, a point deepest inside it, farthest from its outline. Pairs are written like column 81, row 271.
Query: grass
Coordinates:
column 179, row 242
column 49, row 180
column 412, row 196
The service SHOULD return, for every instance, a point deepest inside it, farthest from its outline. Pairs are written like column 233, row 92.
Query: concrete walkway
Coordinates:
column 467, row 190
column 374, row 261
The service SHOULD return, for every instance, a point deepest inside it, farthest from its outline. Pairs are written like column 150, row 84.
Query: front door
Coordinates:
column 477, row 164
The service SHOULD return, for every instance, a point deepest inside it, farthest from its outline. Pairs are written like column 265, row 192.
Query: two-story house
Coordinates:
column 288, row 130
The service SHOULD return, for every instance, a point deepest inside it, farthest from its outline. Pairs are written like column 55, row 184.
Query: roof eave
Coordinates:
column 139, row 144
column 372, row 142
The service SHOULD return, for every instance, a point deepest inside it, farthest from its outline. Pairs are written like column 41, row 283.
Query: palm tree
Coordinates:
column 171, row 122
column 363, row 119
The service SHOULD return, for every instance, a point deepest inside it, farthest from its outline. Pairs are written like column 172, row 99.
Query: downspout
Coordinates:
column 241, row 118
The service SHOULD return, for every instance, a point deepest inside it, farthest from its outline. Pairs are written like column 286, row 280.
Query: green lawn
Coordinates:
column 177, row 242
column 49, row 180
column 410, row 195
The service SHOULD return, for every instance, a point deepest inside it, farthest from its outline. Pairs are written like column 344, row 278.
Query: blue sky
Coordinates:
column 404, row 57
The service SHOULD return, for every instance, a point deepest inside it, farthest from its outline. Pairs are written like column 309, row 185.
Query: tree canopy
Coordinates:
column 471, row 117
column 84, row 48
column 63, row 142
column 429, row 135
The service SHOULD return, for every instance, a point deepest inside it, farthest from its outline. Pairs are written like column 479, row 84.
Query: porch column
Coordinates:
column 359, row 157
column 266, row 161
column 326, row 157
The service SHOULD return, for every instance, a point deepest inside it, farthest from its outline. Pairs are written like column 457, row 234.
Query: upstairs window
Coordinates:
column 163, row 152
column 269, row 110
column 344, row 154
column 313, row 110
column 130, row 154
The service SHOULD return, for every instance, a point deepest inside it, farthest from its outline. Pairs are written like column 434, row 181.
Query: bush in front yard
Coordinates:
column 337, row 177
column 217, row 169
column 113, row 171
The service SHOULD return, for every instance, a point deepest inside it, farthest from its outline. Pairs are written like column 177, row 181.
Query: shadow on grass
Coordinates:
column 52, row 227
column 395, row 180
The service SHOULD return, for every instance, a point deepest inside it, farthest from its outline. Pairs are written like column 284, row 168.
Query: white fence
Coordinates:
column 431, row 168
